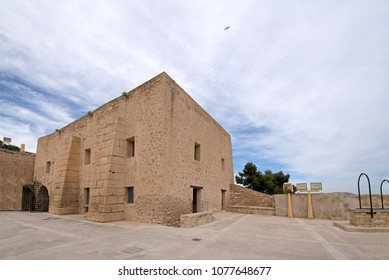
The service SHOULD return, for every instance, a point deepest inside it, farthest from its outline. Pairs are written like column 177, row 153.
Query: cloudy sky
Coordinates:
column 302, row 86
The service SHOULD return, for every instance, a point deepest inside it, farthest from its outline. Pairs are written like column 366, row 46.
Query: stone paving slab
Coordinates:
column 229, row 236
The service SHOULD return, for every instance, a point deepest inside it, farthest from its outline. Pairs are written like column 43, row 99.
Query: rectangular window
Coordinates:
column 87, row 156
column 223, row 164
column 130, row 194
column 197, row 151
column 131, row 147
column 48, row 165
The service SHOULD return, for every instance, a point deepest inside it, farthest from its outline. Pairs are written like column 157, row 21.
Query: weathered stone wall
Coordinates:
column 213, row 171
column 247, row 197
column 325, row 205
column 164, row 124
column 362, row 218
column 16, row 170
column 376, row 199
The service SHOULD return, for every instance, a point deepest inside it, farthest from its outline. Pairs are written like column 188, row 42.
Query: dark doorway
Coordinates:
column 86, row 199
column 35, row 197
column 28, row 199
column 196, row 202
column 42, row 199
column 224, row 200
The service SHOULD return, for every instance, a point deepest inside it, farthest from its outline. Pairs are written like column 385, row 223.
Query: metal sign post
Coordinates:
column 302, row 187
column 288, row 188
column 315, row 187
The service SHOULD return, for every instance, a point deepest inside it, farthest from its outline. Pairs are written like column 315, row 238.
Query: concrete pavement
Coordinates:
column 25, row 235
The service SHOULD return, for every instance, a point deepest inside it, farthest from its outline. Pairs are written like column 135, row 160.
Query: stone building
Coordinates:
column 16, row 170
column 150, row 155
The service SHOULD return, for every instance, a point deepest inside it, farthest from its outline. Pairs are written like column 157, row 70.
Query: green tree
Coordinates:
column 268, row 182
column 9, row 147
column 249, row 177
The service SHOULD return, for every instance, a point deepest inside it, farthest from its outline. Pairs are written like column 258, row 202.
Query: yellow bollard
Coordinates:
column 310, row 211
column 290, row 209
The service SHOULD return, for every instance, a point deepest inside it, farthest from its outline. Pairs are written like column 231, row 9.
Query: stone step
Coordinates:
column 265, row 211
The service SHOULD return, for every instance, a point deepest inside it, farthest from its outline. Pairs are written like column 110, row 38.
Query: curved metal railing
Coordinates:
column 382, row 197
column 359, row 193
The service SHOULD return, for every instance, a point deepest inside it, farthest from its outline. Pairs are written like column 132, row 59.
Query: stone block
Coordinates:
column 114, row 199
column 121, row 143
column 71, row 173
column 119, row 151
column 109, row 143
column 117, row 160
column 265, row 211
column 105, row 217
column 119, row 168
column 70, row 191
column 104, row 152
column 105, row 176
column 195, row 219
column 115, row 207
column 71, row 180
column 121, row 128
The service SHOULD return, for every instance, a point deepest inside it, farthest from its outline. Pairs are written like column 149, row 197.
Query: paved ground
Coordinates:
column 25, row 235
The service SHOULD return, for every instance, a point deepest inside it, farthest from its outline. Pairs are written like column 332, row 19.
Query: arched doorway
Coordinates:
column 35, row 197
column 41, row 198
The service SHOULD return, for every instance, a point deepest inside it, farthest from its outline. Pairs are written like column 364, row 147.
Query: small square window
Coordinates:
column 131, row 147
column 48, row 165
column 130, row 194
column 87, row 156
column 197, row 151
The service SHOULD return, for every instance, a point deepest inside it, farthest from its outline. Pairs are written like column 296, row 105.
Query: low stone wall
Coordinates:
column 376, row 199
column 362, row 218
column 196, row 219
column 246, row 197
column 335, row 206
column 265, row 211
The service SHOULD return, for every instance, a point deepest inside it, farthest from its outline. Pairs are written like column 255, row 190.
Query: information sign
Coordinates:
column 302, row 186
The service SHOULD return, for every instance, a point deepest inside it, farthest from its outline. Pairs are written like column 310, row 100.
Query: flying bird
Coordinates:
column 227, row 27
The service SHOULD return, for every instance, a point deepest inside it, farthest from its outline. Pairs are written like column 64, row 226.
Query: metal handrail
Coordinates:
column 382, row 197
column 359, row 193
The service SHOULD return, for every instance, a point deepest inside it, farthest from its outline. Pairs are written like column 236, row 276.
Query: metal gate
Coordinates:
column 42, row 199
column 28, row 198
column 35, row 197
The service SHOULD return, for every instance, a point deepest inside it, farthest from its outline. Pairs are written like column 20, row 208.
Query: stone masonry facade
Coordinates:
column 16, row 170
column 150, row 155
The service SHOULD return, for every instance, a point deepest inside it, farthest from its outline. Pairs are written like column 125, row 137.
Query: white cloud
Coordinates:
column 19, row 132
column 301, row 85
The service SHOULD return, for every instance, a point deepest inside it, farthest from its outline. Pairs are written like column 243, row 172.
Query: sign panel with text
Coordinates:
column 316, row 187
column 302, row 186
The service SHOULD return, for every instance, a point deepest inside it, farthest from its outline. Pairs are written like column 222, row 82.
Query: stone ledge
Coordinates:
column 266, row 211
column 195, row 219
column 346, row 226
